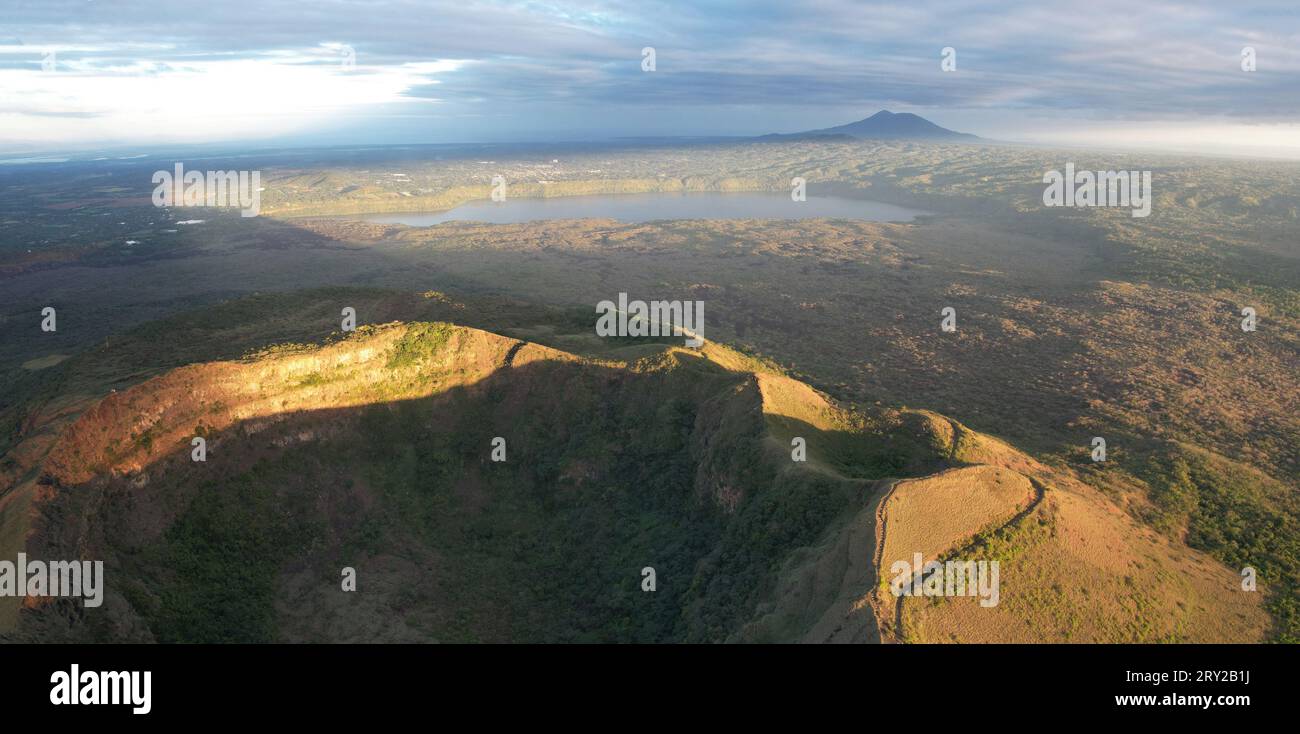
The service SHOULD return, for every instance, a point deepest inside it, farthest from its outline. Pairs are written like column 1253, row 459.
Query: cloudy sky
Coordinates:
column 77, row 74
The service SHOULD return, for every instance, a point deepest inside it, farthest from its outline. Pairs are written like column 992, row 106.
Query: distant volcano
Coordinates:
column 885, row 125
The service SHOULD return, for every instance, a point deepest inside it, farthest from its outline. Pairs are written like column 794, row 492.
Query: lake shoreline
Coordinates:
column 637, row 208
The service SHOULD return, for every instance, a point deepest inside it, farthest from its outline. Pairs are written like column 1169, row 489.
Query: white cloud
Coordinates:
column 1281, row 140
column 111, row 101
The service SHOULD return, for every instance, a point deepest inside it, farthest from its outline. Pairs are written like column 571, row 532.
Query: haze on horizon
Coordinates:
column 78, row 75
